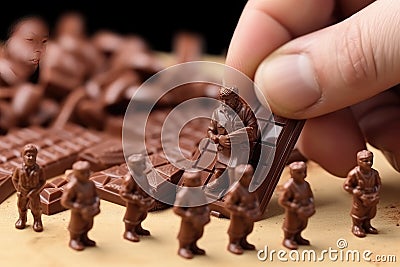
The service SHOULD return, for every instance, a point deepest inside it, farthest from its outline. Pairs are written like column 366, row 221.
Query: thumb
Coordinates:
column 334, row 67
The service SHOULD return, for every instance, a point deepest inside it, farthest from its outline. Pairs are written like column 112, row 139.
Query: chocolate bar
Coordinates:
column 58, row 149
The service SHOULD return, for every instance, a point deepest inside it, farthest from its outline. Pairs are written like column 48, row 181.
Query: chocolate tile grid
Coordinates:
column 276, row 143
column 164, row 172
column 58, row 149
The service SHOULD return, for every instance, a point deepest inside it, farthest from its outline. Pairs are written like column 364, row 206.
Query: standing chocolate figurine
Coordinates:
column 234, row 129
column 81, row 198
column 364, row 183
column 298, row 201
column 244, row 210
column 191, row 205
column 138, row 202
column 29, row 181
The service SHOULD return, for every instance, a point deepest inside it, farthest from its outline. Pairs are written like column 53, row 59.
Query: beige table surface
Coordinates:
column 330, row 223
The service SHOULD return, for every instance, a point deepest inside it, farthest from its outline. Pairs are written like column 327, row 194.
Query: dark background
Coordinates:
column 155, row 21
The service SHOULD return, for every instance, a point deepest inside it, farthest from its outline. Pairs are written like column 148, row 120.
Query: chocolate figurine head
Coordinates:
column 29, row 154
column 298, row 171
column 81, row 170
column 229, row 96
column 192, row 178
column 365, row 159
column 137, row 163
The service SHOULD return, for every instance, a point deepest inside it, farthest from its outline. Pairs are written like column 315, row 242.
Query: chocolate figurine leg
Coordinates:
column 234, row 245
column 300, row 240
column 130, row 233
column 196, row 250
column 369, row 228
column 21, row 222
column 185, row 251
column 246, row 245
column 75, row 242
column 357, row 228
column 87, row 241
column 140, row 231
column 289, row 242
column 37, row 224
column 37, row 214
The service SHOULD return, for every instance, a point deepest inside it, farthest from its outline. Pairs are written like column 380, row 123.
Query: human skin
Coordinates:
column 330, row 62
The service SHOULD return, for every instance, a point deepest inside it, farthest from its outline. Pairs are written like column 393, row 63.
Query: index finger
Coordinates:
column 264, row 25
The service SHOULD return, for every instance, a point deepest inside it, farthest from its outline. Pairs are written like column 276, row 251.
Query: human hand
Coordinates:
column 332, row 63
column 225, row 141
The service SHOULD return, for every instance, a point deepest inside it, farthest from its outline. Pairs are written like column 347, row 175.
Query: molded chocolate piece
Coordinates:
column 364, row 183
column 298, row 200
column 80, row 196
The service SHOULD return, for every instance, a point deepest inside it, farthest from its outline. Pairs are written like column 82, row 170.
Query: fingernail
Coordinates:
column 288, row 82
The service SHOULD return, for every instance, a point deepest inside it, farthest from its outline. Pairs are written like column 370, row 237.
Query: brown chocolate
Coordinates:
column 50, row 197
column 364, row 183
column 58, row 149
column 29, row 180
column 298, row 200
column 194, row 216
column 80, row 197
column 244, row 210
column 138, row 202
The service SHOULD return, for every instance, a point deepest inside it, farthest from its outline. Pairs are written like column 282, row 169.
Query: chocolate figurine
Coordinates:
column 234, row 128
column 364, row 183
column 244, row 210
column 81, row 198
column 190, row 204
column 298, row 201
column 29, row 181
column 138, row 202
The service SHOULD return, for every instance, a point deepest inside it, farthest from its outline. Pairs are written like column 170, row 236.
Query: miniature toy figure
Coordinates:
column 364, row 183
column 190, row 204
column 138, row 202
column 244, row 210
column 29, row 181
column 233, row 126
column 298, row 201
column 81, row 198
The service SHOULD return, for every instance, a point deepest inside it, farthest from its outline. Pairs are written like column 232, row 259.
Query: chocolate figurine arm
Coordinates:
column 231, row 203
column 350, row 183
column 378, row 181
column 285, row 197
column 251, row 125
column 127, row 190
column 67, row 199
column 15, row 178
column 212, row 131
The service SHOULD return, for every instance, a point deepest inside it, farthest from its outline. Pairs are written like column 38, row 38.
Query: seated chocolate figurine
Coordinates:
column 138, row 202
column 244, row 210
column 81, row 198
column 29, row 181
column 364, row 183
column 298, row 201
column 191, row 205
column 233, row 127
